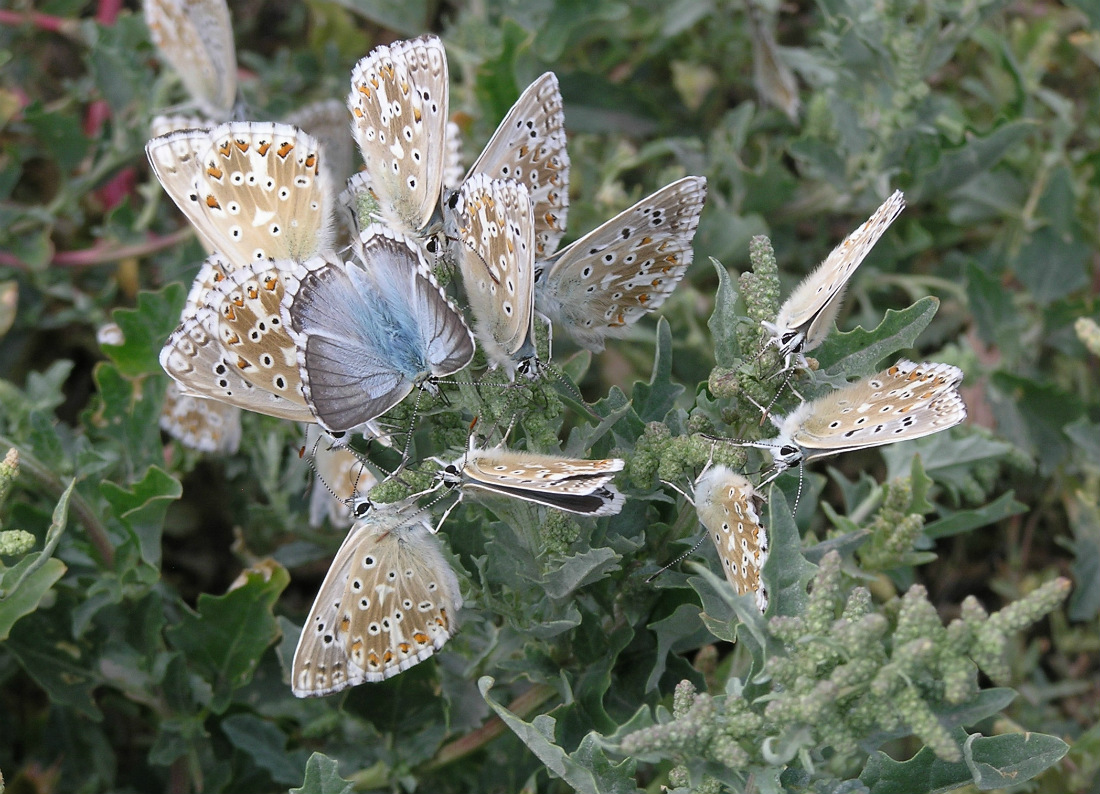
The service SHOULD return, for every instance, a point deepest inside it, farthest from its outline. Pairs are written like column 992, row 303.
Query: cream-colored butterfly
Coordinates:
column 578, row 486
column 255, row 191
column 901, row 403
column 196, row 38
column 806, row 316
column 491, row 224
column 726, row 504
column 398, row 102
column 389, row 601
column 598, row 286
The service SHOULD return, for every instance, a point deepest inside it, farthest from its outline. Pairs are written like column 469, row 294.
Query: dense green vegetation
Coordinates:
column 935, row 604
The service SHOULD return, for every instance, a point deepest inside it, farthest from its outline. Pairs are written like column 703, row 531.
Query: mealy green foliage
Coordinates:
column 151, row 597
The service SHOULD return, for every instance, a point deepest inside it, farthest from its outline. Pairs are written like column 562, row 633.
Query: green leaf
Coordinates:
column 859, row 353
column 786, row 572
column 724, row 320
column 581, row 569
column 975, row 157
column 142, row 508
column 588, row 770
column 322, row 777
column 265, row 744
column 32, row 588
column 407, row 18
column 654, row 400
column 1084, row 520
column 224, row 639
column 679, row 632
column 1004, row 506
column 989, row 763
column 145, row 330
column 64, row 669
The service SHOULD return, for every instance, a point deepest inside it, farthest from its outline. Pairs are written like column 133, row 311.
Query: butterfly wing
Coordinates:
column 724, row 502
column 398, row 103
column 255, row 191
column 201, row 366
column 389, row 601
column 904, row 402
column 579, row 486
column 196, row 38
column 370, row 329
column 162, row 125
column 529, row 148
column 342, row 476
column 812, row 307
column 248, row 308
column 205, row 425
column 214, row 269
column 611, row 277
column 495, row 240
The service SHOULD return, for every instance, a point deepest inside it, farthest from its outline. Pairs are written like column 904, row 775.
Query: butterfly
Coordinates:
column 725, row 503
column 255, row 191
column 529, row 148
column 371, row 328
column 196, row 38
column 205, row 425
column 389, row 600
column 342, row 478
column 610, row 278
column 398, row 103
column 903, row 402
column 578, row 486
column 806, row 316
column 491, row 224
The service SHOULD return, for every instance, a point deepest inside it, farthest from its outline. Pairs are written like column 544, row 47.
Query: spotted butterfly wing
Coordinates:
column 725, row 503
column 196, row 38
column 255, row 191
column 613, row 276
column 494, row 241
column 389, row 601
column 806, row 316
column 398, row 103
column 574, row 485
column 528, row 147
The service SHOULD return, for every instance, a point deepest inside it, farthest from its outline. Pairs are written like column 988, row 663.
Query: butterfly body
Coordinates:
column 806, row 316
column 389, row 601
column 725, row 503
column 610, row 278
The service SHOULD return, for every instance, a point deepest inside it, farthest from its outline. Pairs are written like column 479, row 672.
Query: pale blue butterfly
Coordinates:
column 371, row 328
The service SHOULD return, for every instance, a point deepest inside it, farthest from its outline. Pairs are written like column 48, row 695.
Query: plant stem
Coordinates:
column 93, row 527
column 493, row 727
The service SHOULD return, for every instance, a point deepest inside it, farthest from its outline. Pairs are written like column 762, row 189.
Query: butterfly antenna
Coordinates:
column 679, row 559
column 766, row 410
column 798, row 493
